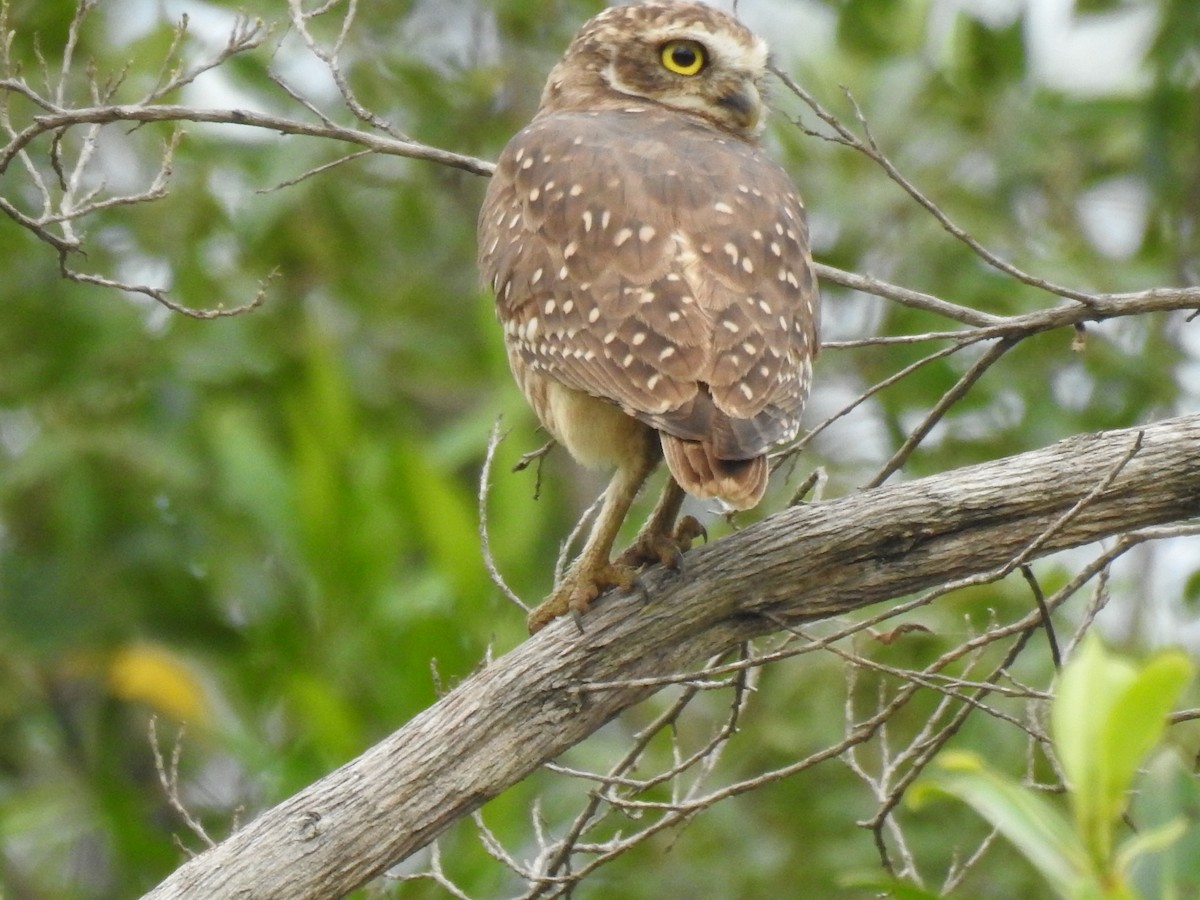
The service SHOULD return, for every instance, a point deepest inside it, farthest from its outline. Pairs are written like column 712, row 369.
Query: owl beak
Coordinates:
column 745, row 103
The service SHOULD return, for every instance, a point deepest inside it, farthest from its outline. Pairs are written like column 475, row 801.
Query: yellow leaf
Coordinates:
column 153, row 675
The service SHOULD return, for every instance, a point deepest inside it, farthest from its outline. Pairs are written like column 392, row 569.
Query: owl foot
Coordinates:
column 651, row 547
column 578, row 588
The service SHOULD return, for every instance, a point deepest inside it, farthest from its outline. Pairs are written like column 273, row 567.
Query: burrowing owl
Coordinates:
column 652, row 273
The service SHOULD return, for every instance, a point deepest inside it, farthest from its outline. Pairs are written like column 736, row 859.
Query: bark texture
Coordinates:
column 805, row 563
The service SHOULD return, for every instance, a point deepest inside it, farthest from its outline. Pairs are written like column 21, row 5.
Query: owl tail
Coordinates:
column 739, row 482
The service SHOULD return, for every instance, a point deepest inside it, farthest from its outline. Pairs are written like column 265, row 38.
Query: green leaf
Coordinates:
column 1168, row 793
column 1148, row 842
column 1038, row 829
column 1107, row 715
column 893, row 888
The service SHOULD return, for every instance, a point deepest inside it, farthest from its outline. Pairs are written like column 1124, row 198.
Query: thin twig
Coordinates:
column 1047, row 623
column 168, row 779
column 868, row 146
column 485, row 483
column 948, row 399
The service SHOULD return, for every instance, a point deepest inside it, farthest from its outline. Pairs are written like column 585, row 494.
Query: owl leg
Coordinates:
column 592, row 572
column 662, row 539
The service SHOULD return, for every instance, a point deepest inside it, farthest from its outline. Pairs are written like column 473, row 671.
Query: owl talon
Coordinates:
column 650, row 549
column 546, row 612
column 639, row 587
column 576, row 593
column 666, row 550
column 687, row 530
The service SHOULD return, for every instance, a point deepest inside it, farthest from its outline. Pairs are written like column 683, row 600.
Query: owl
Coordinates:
column 652, row 274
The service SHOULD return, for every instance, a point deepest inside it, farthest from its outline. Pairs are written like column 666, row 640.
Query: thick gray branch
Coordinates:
column 805, row 563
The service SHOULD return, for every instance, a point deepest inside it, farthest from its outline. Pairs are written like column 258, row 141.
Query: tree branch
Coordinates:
column 802, row 564
column 106, row 115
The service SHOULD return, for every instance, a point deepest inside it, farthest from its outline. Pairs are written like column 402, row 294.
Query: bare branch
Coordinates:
column 485, row 483
column 37, row 229
column 791, row 451
column 104, row 115
column 1098, row 308
column 82, row 9
column 869, row 148
column 330, row 58
column 160, row 296
column 168, row 779
column 436, row 874
column 246, row 35
column 314, row 171
column 803, row 564
column 905, row 296
column 952, row 396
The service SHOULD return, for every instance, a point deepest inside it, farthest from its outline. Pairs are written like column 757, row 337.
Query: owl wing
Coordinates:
column 650, row 260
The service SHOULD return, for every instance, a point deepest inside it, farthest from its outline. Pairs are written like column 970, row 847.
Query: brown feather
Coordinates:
column 739, row 482
column 645, row 250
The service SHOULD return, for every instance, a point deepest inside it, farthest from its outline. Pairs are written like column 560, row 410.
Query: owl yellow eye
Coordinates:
column 683, row 57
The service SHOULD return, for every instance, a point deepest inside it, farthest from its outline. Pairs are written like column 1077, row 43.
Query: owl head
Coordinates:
column 687, row 57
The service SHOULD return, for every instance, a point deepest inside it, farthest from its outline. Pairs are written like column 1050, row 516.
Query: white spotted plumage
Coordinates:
column 654, row 259
column 616, row 201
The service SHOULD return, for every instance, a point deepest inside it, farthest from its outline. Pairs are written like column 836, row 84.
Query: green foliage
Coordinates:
column 266, row 526
column 1168, row 797
column 1107, row 715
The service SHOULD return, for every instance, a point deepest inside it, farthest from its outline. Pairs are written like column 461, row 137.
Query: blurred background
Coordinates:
column 266, row 526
